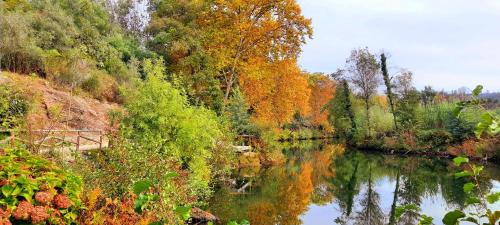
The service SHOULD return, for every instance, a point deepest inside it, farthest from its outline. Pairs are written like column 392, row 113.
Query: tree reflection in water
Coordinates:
column 349, row 182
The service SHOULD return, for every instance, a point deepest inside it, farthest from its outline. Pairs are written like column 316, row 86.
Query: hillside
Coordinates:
column 56, row 108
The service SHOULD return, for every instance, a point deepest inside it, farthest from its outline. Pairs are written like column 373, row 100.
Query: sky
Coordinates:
column 447, row 44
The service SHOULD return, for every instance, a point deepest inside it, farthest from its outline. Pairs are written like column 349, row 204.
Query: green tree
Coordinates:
column 363, row 72
column 388, row 86
column 340, row 112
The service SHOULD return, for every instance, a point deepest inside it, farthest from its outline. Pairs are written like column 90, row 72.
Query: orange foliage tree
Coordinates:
column 238, row 31
column 275, row 91
column 322, row 91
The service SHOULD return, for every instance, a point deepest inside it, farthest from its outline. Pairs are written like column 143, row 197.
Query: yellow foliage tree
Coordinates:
column 275, row 91
column 322, row 91
column 238, row 31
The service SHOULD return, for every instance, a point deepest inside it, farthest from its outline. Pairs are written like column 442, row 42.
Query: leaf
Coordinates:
column 471, row 219
column 459, row 160
column 426, row 220
column 400, row 210
column 7, row 190
column 458, row 109
column 472, row 200
column 170, row 175
column 463, row 174
column 451, row 218
column 477, row 169
column 492, row 198
column 141, row 186
column 183, row 211
column 477, row 90
column 468, row 187
column 27, row 196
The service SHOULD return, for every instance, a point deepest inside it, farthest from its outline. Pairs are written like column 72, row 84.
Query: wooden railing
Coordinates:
column 39, row 138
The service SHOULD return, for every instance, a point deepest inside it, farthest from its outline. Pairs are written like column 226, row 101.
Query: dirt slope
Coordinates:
column 56, row 108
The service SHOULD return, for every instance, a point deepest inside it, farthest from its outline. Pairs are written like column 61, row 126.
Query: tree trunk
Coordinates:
column 367, row 116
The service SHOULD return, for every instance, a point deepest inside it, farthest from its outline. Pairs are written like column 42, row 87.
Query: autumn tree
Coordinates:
column 176, row 35
column 275, row 91
column 388, row 86
column 363, row 71
column 322, row 91
column 237, row 31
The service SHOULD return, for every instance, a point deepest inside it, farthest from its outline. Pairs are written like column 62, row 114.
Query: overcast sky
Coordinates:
column 446, row 43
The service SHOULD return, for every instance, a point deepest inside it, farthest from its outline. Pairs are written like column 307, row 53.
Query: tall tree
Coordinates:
column 363, row 70
column 340, row 112
column 275, row 91
column 322, row 91
column 177, row 36
column 388, row 85
column 428, row 95
column 237, row 31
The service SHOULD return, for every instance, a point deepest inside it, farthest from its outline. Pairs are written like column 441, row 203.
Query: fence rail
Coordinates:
column 73, row 137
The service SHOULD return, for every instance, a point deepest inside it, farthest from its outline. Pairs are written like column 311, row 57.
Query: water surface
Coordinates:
column 326, row 184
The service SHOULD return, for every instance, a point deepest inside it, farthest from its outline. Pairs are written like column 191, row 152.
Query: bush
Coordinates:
column 36, row 190
column 434, row 139
column 161, row 133
column 13, row 106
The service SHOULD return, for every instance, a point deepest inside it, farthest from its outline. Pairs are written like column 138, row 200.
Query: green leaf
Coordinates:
column 492, row 198
column 463, row 174
column 458, row 109
column 451, row 218
column 477, row 90
column 27, row 196
column 468, row 187
column 183, row 212
column 7, row 190
column 425, row 220
column 477, row 169
column 472, row 200
column 141, row 186
column 400, row 210
column 170, row 175
column 471, row 219
column 459, row 160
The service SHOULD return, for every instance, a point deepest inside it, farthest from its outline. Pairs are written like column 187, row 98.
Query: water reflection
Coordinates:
column 324, row 184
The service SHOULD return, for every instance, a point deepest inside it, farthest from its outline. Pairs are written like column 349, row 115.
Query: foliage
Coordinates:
column 388, row 85
column 38, row 188
column 236, row 32
column 322, row 91
column 363, row 70
column 13, row 106
column 276, row 91
column 476, row 198
column 66, row 41
column 489, row 121
column 341, row 113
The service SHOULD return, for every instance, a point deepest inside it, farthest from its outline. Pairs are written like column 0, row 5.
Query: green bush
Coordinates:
column 436, row 139
column 36, row 190
column 13, row 106
column 162, row 133
column 92, row 85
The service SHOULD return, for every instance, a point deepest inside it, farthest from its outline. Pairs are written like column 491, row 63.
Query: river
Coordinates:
column 323, row 183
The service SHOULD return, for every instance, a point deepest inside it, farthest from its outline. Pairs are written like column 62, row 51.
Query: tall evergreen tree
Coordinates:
column 387, row 81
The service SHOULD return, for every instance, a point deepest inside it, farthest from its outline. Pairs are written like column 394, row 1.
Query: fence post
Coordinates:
column 12, row 138
column 78, row 141
column 100, row 140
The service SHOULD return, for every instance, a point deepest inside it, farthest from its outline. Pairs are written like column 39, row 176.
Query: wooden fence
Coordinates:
column 41, row 138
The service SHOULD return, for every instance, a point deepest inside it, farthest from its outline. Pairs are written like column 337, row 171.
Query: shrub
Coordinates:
column 13, row 106
column 36, row 190
column 434, row 139
column 162, row 133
